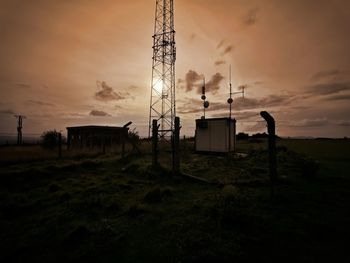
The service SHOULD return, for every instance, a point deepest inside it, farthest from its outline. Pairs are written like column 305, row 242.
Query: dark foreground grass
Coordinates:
column 105, row 209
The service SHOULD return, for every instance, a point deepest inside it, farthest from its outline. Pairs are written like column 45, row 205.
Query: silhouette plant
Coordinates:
column 49, row 139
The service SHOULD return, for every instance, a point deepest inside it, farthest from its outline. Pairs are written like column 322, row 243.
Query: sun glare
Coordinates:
column 158, row 85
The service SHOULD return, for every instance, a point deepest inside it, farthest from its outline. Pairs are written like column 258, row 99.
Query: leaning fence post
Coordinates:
column 125, row 136
column 176, row 150
column 154, row 143
column 272, row 148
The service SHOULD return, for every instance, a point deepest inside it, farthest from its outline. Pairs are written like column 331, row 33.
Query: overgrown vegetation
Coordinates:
column 111, row 209
column 50, row 139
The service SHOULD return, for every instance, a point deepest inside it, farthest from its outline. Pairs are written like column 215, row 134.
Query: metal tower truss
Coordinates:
column 162, row 104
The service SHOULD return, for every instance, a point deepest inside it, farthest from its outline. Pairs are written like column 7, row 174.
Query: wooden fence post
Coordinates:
column 154, row 143
column 272, row 148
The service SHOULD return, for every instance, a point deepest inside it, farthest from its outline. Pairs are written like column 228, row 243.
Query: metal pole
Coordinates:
column 176, row 151
column 272, row 148
column 155, row 143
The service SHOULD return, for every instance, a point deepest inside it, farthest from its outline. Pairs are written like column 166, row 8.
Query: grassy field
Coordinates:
column 102, row 208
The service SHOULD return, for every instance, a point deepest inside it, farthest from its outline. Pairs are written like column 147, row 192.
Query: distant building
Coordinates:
column 90, row 137
column 215, row 135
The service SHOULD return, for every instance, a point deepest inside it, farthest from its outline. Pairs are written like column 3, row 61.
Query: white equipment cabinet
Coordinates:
column 215, row 135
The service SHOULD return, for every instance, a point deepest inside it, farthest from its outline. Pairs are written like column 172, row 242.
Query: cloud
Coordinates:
column 108, row 94
column 327, row 74
column 191, row 80
column 133, row 87
column 344, row 123
column 220, row 44
column 257, row 127
column 75, row 114
column 317, row 122
column 40, row 103
column 213, row 84
column 219, row 62
column 328, row 88
column 195, row 105
column 193, row 36
column 7, row 111
column 251, row 17
column 228, row 49
column 98, row 113
column 339, row 97
column 23, row 85
column 238, row 115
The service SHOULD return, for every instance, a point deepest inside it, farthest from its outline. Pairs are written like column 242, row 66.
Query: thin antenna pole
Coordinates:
column 230, row 93
column 204, row 94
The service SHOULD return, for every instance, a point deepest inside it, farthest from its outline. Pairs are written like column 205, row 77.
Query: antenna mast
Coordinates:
column 230, row 100
column 162, row 102
column 19, row 128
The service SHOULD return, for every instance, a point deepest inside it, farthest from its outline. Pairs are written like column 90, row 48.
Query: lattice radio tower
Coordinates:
column 162, row 104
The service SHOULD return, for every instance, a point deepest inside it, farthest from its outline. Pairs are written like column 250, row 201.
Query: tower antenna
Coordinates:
column 19, row 128
column 162, row 102
column 230, row 100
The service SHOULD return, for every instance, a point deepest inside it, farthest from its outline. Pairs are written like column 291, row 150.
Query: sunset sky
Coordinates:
column 88, row 62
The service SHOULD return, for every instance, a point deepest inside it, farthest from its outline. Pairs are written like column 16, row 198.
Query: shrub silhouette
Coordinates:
column 49, row 139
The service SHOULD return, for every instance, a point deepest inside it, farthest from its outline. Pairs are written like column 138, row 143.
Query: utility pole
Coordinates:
column 19, row 128
column 162, row 102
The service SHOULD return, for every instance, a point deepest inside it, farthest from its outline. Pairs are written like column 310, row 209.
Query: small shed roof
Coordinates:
column 95, row 127
column 215, row 119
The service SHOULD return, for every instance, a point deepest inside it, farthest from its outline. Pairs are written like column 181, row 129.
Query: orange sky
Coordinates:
column 66, row 63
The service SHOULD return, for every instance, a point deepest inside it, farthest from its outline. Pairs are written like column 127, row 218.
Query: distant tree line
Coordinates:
column 246, row 136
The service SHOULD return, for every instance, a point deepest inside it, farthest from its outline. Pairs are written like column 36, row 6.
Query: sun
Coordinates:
column 158, row 85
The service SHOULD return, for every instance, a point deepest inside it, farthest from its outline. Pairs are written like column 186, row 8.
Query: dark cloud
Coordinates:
column 344, row 123
column 213, row 84
column 256, row 127
column 195, row 105
column 219, row 62
column 339, row 97
column 7, row 111
column 327, row 74
column 265, row 102
column 328, row 88
column 98, row 113
column 76, row 114
column 40, row 103
column 228, row 49
column 238, row 115
column 251, row 17
column 23, row 85
column 317, row 122
column 133, row 87
column 191, row 105
column 108, row 94
column 220, row 44
column 192, row 80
